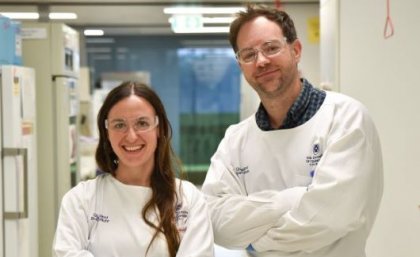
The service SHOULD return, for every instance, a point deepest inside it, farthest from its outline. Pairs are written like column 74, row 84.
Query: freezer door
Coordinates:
column 19, row 176
column 67, row 109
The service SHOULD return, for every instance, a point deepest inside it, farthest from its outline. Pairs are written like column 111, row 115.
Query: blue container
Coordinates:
column 10, row 42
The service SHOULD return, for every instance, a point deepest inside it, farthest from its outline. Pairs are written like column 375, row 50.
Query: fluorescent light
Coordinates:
column 201, row 30
column 218, row 20
column 209, row 20
column 195, row 24
column 35, row 15
column 93, row 32
column 202, row 10
column 21, row 15
column 62, row 16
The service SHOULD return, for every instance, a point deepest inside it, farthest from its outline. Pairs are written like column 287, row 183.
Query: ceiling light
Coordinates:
column 218, row 20
column 35, row 15
column 201, row 30
column 62, row 16
column 93, row 32
column 195, row 24
column 202, row 10
column 21, row 15
column 198, row 19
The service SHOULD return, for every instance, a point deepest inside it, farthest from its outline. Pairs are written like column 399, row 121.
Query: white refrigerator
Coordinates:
column 18, row 180
column 52, row 49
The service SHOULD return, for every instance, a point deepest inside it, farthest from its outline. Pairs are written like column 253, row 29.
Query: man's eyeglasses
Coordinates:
column 268, row 49
column 141, row 124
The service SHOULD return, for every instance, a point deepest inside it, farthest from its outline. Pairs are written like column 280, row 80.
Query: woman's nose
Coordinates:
column 132, row 134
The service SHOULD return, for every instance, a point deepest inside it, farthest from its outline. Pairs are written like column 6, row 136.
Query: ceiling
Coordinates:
column 125, row 17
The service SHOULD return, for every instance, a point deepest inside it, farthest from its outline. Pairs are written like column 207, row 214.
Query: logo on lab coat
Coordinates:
column 241, row 170
column 316, row 154
column 99, row 217
column 181, row 217
column 316, row 149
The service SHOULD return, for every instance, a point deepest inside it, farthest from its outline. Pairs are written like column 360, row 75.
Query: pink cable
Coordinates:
column 389, row 27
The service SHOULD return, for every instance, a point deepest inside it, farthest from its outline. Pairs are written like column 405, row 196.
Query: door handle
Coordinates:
column 16, row 152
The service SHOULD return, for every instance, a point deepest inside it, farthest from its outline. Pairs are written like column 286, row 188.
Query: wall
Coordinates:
column 382, row 74
column 309, row 64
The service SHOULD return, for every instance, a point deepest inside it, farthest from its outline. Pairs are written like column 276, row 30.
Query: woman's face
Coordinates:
column 133, row 133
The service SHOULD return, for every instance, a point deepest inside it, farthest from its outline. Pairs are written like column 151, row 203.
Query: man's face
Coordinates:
column 272, row 73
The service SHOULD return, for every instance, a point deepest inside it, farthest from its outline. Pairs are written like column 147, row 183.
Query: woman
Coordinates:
column 137, row 207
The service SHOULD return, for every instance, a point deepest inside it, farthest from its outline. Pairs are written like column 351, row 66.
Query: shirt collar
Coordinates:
column 294, row 114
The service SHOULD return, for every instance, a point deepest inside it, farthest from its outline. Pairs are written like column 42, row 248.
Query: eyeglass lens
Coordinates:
column 141, row 124
column 268, row 49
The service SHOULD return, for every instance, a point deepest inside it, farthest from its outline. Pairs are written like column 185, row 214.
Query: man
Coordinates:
column 303, row 176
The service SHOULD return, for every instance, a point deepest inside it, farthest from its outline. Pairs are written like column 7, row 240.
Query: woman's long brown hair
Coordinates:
column 164, row 198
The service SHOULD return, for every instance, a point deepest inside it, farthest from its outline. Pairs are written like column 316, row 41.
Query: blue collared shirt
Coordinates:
column 306, row 105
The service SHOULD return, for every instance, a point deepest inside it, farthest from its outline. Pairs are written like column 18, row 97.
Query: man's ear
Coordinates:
column 297, row 49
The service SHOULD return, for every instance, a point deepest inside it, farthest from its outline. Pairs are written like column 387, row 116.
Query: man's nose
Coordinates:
column 261, row 59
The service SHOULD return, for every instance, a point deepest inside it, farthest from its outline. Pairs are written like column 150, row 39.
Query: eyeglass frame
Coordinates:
column 257, row 50
column 137, row 130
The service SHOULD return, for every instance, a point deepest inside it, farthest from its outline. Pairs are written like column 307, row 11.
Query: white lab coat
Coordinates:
column 310, row 191
column 102, row 218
